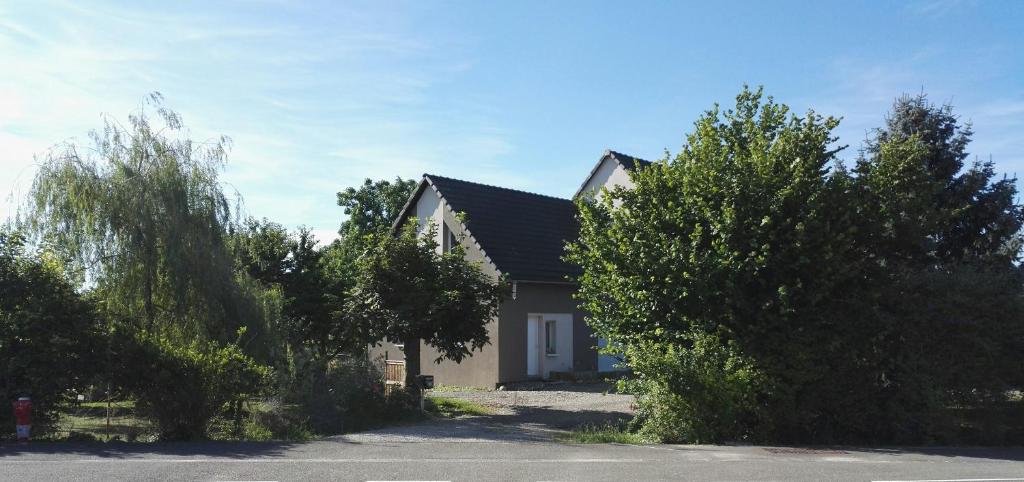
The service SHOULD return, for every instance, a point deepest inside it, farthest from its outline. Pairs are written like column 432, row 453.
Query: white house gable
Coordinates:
column 608, row 173
column 430, row 207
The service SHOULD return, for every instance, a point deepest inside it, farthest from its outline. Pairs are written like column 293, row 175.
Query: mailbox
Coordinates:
column 426, row 382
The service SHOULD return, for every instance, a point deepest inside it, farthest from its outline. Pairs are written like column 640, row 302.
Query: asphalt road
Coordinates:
column 346, row 458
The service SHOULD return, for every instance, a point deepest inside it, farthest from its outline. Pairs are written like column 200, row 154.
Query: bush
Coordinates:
column 701, row 393
column 182, row 387
column 276, row 421
column 48, row 334
column 345, row 396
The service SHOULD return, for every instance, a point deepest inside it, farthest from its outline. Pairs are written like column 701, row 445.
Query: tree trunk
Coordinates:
column 238, row 416
column 147, row 292
column 412, row 369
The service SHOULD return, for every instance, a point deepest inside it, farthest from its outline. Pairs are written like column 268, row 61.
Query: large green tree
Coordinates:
column 945, row 236
column 373, row 206
column 827, row 305
column 371, row 209
column 313, row 281
column 142, row 214
column 742, row 239
column 408, row 292
column 935, row 207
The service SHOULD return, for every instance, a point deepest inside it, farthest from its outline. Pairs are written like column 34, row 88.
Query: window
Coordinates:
column 550, row 337
column 448, row 238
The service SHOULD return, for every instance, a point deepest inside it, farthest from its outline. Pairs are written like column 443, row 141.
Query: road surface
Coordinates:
column 377, row 457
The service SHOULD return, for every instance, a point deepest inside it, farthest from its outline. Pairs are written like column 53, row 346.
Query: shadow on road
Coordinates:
column 124, row 449
column 992, row 453
column 524, row 424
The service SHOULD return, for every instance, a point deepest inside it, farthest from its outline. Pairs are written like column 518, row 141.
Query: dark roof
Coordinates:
column 524, row 234
column 627, row 161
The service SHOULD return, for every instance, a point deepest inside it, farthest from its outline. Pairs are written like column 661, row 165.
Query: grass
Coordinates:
column 456, row 388
column 602, row 434
column 88, row 421
column 454, row 407
column 123, row 404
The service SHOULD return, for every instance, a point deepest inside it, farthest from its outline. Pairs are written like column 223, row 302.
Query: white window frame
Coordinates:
column 551, row 337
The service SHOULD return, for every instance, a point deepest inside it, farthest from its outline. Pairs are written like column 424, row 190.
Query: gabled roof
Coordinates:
column 522, row 234
column 628, row 162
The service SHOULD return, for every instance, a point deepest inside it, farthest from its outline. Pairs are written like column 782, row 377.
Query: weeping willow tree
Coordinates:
column 142, row 216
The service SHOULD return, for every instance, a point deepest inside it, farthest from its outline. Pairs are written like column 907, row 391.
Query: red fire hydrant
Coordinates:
column 23, row 417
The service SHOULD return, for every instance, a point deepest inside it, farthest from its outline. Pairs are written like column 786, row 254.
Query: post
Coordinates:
column 108, row 412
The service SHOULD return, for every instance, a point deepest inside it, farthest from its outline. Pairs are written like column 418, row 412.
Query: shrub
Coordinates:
column 701, row 393
column 346, row 395
column 276, row 421
column 181, row 387
column 48, row 334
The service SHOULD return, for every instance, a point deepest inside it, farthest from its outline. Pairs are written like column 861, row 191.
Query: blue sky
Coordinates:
column 318, row 96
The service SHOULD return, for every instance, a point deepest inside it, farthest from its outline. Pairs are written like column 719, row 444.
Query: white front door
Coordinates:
column 548, row 344
column 533, row 346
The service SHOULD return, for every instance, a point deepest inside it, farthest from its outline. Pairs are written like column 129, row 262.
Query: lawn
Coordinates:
column 88, row 421
column 454, row 407
column 601, row 434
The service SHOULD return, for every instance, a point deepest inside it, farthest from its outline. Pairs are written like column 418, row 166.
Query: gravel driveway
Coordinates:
column 562, row 405
column 535, row 412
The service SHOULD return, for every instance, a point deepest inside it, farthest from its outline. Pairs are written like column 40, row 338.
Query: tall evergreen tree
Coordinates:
column 944, row 237
column 943, row 209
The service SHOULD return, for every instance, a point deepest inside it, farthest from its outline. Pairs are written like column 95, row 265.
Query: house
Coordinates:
column 540, row 330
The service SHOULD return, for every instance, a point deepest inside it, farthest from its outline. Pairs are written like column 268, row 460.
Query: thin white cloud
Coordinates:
column 937, row 8
column 314, row 98
column 862, row 92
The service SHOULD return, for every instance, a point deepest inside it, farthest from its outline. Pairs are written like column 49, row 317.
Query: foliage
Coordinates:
column 262, row 249
column 279, row 421
column 182, row 387
column 742, row 238
column 48, row 333
column 264, row 420
column 314, row 291
column 939, row 212
column 346, row 396
column 373, row 207
column 945, row 239
column 142, row 214
column 759, row 294
column 408, row 292
column 701, row 393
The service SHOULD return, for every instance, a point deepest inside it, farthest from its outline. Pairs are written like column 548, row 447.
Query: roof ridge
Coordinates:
column 428, row 175
column 615, row 153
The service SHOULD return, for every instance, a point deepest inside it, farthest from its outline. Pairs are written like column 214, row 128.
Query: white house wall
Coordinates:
column 430, row 207
column 608, row 174
column 480, row 370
